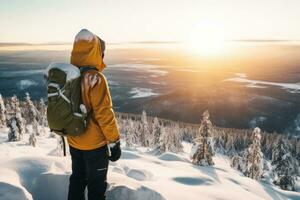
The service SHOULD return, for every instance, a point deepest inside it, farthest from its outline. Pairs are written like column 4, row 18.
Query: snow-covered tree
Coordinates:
column 43, row 116
column 15, row 122
column 219, row 144
column 32, row 140
column 229, row 144
column 31, row 116
column 236, row 162
column 2, row 113
column 284, row 166
column 202, row 150
column 170, row 139
column 144, row 130
column 14, row 131
column 156, row 132
column 253, row 157
column 130, row 133
column 188, row 134
column 31, row 112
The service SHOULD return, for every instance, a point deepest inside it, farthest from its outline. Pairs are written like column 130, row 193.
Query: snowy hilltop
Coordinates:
column 40, row 173
column 161, row 159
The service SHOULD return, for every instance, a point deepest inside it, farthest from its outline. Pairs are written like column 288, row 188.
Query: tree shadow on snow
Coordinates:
column 129, row 156
column 193, row 181
column 171, row 157
column 208, row 170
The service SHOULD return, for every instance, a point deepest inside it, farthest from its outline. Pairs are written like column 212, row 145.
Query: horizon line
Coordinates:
column 4, row 44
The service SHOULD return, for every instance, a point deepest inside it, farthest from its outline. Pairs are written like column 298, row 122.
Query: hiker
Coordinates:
column 92, row 150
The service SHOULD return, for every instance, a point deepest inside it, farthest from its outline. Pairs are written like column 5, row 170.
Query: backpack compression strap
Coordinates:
column 60, row 92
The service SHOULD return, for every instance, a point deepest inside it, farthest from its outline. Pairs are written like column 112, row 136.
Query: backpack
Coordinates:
column 66, row 113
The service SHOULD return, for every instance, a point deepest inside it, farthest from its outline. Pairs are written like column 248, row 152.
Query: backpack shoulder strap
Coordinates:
column 87, row 68
column 89, row 115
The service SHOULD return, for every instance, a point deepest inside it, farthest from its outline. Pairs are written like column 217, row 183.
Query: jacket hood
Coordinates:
column 87, row 50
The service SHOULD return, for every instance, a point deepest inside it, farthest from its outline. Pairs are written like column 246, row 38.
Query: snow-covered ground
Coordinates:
column 39, row 173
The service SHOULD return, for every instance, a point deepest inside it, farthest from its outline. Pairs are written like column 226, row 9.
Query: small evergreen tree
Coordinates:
column 144, row 130
column 2, row 113
column 32, row 116
column 253, row 158
column 229, row 145
column 43, row 114
column 15, row 123
column 220, row 143
column 163, row 140
column 236, row 162
column 202, row 150
column 130, row 134
column 170, row 139
column 32, row 140
column 30, row 110
column 156, row 132
column 284, row 167
column 14, row 131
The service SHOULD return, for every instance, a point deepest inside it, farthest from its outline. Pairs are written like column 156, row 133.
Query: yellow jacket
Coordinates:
column 102, row 128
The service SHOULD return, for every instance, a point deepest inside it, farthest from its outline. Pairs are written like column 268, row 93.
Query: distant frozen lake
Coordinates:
column 242, row 78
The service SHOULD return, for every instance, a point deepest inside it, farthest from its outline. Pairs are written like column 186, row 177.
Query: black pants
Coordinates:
column 89, row 168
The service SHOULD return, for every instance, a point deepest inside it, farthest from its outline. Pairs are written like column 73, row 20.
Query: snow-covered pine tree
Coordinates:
column 187, row 134
column 122, row 125
column 14, row 131
column 170, row 139
column 156, row 132
column 15, row 122
column 144, row 130
column 253, row 157
column 2, row 113
column 43, row 116
column 163, row 140
column 240, row 142
column 176, row 139
column 284, row 167
column 202, row 150
column 219, row 144
column 32, row 117
column 229, row 144
column 236, row 162
column 32, row 140
column 30, row 110
column 130, row 133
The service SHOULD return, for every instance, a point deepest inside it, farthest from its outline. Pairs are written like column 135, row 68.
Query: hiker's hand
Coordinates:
column 115, row 151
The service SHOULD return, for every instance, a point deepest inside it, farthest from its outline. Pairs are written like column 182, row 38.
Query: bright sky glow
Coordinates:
column 207, row 39
column 37, row 21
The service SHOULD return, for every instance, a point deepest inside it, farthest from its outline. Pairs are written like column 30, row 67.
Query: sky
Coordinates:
column 40, row 21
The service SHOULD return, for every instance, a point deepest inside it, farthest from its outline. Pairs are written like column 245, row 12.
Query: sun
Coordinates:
column 206, row 39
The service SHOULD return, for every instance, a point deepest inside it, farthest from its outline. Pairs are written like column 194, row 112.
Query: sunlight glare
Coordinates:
column 206, row 39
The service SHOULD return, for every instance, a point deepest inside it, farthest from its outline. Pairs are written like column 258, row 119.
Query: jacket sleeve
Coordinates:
column 102, row 107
